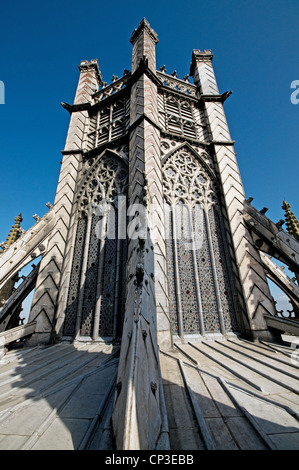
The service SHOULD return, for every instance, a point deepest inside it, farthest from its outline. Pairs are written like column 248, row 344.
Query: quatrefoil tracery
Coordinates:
column 186, row 181
column 107, row 179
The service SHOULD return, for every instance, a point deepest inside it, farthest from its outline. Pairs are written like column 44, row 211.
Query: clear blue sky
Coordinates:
column 255, row 45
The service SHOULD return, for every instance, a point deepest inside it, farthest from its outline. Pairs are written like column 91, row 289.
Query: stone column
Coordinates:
column 254, row 292
column 52, row 282
column 137, row 417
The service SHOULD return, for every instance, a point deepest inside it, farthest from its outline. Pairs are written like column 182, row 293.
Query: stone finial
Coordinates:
column 292, row 223
column 144, row 26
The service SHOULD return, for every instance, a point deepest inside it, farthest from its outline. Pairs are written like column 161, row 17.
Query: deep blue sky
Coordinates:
column 255, row 45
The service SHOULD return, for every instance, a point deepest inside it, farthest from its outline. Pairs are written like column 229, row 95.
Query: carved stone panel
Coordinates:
column 97, row 287
column 201, row 299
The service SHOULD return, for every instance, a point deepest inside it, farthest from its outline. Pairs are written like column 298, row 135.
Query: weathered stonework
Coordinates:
column 149, row 249
column 47, row 291
column 147, row 302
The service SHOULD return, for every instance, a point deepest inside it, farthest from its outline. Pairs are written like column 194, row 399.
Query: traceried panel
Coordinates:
column 108, row 289
column 187, row 181
column 180, row 116
column 90, row 287
column 190, row 315
column 206, row 279
column 178, row 252
column 106, row 178
column 201, row 299
column 72, row 301
column 170, row 256
column 99, row 253
column 223, row 270
column 121, row 286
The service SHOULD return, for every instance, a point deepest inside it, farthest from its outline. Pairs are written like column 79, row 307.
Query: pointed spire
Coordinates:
column 291, row 221
column 144, row 26
column 15, row 231
column 144, row 40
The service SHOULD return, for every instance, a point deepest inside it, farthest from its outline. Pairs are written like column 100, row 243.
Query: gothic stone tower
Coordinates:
column 149, row 242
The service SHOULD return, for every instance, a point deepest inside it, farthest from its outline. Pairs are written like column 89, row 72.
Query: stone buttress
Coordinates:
column 50, row 291
column 138, row 416
column 253, row 290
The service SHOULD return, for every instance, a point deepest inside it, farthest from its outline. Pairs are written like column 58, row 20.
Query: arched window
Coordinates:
column 97, row 285
column 201, row 298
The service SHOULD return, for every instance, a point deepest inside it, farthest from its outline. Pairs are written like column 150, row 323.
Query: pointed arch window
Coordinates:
column 97, row 284
column 201, row 297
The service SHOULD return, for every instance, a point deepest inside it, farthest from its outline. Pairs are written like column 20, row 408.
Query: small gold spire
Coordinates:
column 291, row 221
column 15, row 231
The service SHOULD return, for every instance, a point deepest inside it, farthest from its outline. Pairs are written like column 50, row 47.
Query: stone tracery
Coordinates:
column 200, row 294
column 105, row 180
column 95, row 299
column 187, row 181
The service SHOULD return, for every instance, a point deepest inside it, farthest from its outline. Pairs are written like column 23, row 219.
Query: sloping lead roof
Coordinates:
column 219, row 394
column 232, row 395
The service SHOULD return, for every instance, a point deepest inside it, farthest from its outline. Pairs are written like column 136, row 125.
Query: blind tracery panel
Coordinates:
column 72, row 301
column 206, row 281
column 190, row 315
column 88, row 306
column 201, row 299
column 223, row 271
column 97, row 286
